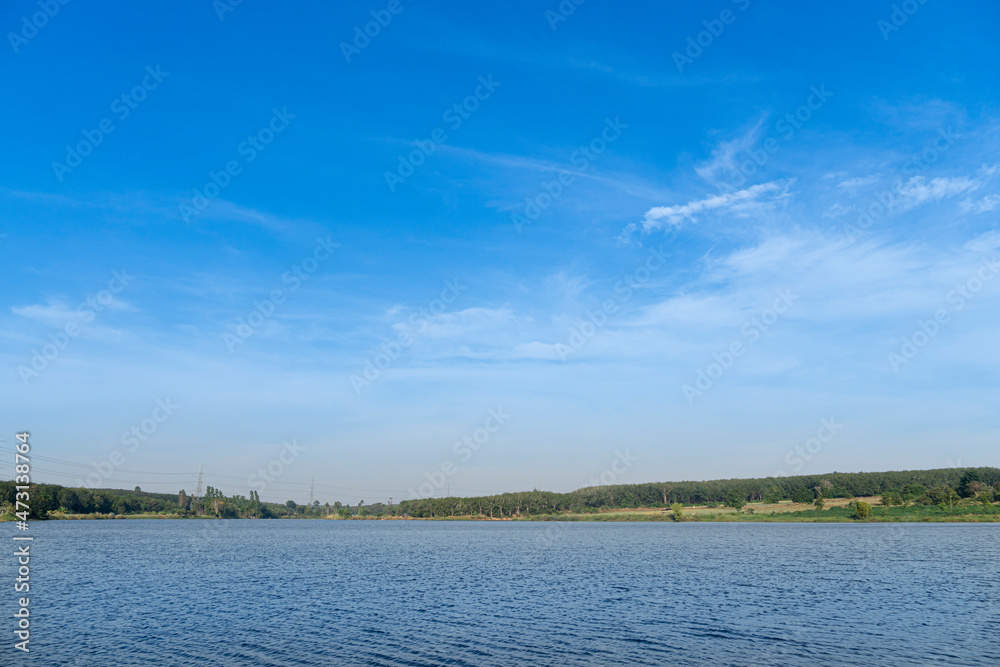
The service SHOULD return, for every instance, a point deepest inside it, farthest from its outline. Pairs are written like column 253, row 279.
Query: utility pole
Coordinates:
column 312, row 490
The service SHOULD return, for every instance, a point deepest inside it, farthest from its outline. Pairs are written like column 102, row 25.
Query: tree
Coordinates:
column 678, row 511
column 735, row 501
column 970, row 484
column 862, row 510
column 890, row 498
column 290, row 504
column 818, row 504
column 68, row 499
column 802, row 495
column 772, row 495
column 940, row 495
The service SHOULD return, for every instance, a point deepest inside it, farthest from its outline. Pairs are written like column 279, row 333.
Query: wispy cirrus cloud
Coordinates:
column 57, row 312
column 459, row 324
column 723, row 157
column 738, row 202
column 981, row 205
column 858, row 181
column 918, row 190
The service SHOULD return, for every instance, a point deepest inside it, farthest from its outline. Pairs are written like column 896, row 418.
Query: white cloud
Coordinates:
column 458, row 324
column 983, row 205
column 985, row 242
column 858, row 182
column 56, row 312
column 919, row 190
column 736, row 202
column 837, row 210
column 723, row 158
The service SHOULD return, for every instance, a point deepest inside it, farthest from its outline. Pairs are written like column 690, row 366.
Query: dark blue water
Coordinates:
column 122, row 593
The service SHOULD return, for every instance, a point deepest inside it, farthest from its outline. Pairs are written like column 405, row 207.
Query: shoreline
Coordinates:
column 787, row 514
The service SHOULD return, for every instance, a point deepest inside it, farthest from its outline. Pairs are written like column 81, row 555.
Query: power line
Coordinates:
column 294, row 486
column 91, row 466
column 223, row 475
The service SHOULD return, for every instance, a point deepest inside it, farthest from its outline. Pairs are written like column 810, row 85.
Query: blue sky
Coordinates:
column 628, row 244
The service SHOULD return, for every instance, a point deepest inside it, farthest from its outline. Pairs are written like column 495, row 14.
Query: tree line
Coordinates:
column 926, row 486
column 46, row 499
column 930, row 487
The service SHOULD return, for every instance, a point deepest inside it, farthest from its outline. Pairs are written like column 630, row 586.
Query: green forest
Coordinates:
column 51, row 501
column 921, row 487
column 940, row 487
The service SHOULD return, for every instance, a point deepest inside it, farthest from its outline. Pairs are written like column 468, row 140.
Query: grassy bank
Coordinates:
column 836, row 511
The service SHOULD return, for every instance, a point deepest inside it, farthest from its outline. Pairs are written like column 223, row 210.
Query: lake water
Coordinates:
column 149, row 593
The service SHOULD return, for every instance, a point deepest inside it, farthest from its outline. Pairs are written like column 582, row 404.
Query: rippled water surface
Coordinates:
column 123, row 593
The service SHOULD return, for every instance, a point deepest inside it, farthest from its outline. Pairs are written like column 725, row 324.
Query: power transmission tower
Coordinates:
column 312, row 490
column 197, row 490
